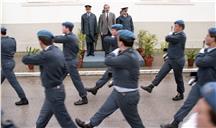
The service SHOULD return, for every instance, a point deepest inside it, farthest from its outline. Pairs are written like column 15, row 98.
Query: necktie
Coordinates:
column 107, row 17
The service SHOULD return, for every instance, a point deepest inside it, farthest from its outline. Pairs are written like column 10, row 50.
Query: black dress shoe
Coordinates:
column 92, row 54
column 82, row 124
column 148, row 88
column 88, row 55
column 178, row 97
column 23, row 101
column 168, row 126
column 92, row 90
column 83, row 101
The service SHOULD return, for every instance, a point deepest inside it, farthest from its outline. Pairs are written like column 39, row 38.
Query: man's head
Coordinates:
column 88, row 8
column 206, row 107
column 106, row 8
column 3, row 31
column 179, row 26
column 45, row 38
column 116, row 28
column 125, row 39
column 210, row 38
column 124, row 11
column 67, row 27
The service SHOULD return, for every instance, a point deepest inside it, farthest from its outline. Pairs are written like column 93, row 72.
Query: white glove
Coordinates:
column 202, row 50
column 170, row 33
column 116, row 51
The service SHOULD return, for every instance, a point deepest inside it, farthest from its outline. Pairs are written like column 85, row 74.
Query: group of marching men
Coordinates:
column 123, row 68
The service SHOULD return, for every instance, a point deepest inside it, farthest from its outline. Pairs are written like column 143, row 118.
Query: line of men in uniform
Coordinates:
column 55, row 65
column 91, row 28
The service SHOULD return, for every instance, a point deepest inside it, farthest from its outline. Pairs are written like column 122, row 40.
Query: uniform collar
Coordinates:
column 45, row 49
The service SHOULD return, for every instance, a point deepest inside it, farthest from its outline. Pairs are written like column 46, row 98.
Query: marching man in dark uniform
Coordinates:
column 89, row 28
column 8, row 49
column 70, row 50
column 125, row 94
column 112, row 44
column 175, row 61
column 206, row 63
column 53, row 69
column 125, row 19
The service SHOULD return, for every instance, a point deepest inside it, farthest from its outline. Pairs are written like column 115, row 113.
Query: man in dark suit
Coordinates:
column 89, row 28
column 106, row 20
column 70, row 50
column 125, row 95
column 8, row 49
column 175, row 61
column 125, row 19
column 53, row 69
column 206, row 63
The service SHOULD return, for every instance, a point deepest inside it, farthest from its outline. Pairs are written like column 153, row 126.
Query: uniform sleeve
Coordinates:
column 174, row 38
column 205, row 60
column 132, row 26
column 117, row 61
column 95, row 25
column 82, row 25
column 60, row 39
column 38, row 59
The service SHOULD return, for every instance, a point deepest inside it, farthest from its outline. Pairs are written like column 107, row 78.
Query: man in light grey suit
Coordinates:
column 106, row 20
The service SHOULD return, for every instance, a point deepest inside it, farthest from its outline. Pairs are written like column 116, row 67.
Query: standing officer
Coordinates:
column 106, row 20
column 70, row 50
column 125, row 94
column 175, row 61
column 112, row 44
column 53, row 69
column 125, row 19
column 89, row 28
column 8, row 49
column 206, row 63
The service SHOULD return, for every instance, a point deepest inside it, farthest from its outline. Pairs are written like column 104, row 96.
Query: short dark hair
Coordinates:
column 3, row 32
column 213, row 36
column 127, row 43
column 70, row 28
column 212, row 117
column 45, row 40
column 182, row 26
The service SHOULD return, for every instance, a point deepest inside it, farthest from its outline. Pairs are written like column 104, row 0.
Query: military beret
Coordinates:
column 45, row 33
column 209, row 94
column 126, row 35
column 86, row 6
column 68, row 24
column 124, row 8
column 3, row 29
column 180, row 22
column 212, row 31
column 117, row 26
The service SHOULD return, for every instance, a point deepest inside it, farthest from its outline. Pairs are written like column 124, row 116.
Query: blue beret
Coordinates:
column 180, row 22
column 212, row 31
column 126, row 35
column 45, row 33
column 3, row 29
column 117, row 26
column 209, row 94
column 68, row 24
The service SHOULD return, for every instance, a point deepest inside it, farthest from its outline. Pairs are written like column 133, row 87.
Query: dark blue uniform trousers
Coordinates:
column 7, row 72
column 104, row 79
column 54, row 104
column 127, row 102
column 191, row 101
column 177, row 65
column 75, row 77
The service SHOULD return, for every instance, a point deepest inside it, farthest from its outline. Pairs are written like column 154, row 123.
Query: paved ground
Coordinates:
column 154, row 109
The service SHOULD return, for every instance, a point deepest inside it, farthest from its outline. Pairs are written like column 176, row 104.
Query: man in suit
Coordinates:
column 53, row 69
column 125, row 19
column 70, row 50
column 206, row 63
column 8, row 49
column 125, row 95
column 106, row 20
column 175, row 61
column 89, row 28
